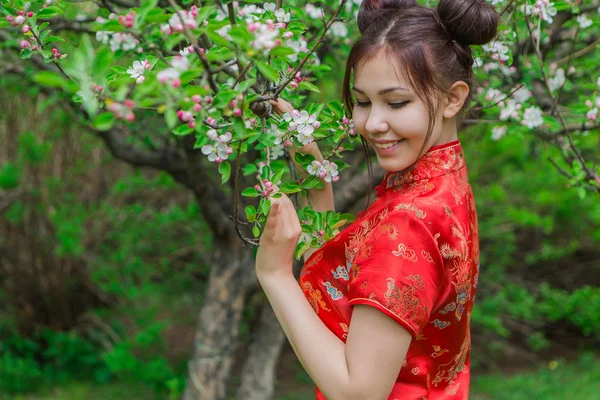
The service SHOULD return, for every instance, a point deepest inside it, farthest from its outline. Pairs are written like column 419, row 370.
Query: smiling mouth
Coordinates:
column 387, row 145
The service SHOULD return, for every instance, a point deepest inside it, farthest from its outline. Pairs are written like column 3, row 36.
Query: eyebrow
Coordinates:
column 381, row 92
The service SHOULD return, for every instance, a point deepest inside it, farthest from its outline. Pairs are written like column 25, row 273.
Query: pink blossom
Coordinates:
column 24, row 44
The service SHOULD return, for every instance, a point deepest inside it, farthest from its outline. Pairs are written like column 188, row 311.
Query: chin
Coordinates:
column 392, row 165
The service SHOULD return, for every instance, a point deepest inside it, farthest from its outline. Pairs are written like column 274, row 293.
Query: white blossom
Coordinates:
column 276, row 152
column 282, row 16
column 543, row 8
column 279, row 134
column 584, row 21
column 314, row 12
column 180, row 63
column 558, row 80
column 498, row 132
column 339, row 29
column 477, row 62
column 510, row 110
column 214, row 151
column 137, row 71
column 122, row 41
column 496, row 2
column 265, row 35
column 592, row 115
column 168, row 74
column 224, row 32
column 326, row 170
column 103, row 37
column 522, row 95
column 498, row 49
column 532, row 117
column 303, row 124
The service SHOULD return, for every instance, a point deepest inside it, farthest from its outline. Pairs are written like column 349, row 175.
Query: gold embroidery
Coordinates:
column 403, row 301
column 438, row 351
column 405, row 252
column 412, row 208
column 427, row 256
column 315, row 297
column 457, row 364
column 415, row 371
column 364, row 285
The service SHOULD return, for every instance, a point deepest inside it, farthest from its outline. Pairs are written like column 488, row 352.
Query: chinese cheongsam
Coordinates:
column 413, row 255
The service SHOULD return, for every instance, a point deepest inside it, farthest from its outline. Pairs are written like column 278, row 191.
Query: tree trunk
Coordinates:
column 231, row 277
column 258, row 373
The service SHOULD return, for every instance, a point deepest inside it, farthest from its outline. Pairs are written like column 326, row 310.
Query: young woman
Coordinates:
column 382, row 311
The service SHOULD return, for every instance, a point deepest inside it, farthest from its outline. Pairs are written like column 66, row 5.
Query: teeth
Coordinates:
column 387, row 145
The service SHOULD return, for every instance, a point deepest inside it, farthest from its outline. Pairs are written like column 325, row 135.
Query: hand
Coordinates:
column 279, row 240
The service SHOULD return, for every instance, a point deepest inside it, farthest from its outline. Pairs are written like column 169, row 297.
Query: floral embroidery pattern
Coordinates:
column 404, row 301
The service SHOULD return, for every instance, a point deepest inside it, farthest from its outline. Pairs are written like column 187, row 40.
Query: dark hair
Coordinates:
column 432, row 45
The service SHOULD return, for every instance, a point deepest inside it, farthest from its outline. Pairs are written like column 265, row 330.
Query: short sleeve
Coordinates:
column 398, row 269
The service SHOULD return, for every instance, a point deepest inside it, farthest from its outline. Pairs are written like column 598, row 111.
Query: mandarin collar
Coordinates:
column 437, row 161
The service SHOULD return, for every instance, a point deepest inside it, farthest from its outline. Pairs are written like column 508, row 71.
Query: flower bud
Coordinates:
column 24, row 44
column 196, row 98
column 29, row 14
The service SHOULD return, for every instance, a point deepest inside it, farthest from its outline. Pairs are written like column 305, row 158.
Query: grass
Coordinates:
column 557, row 380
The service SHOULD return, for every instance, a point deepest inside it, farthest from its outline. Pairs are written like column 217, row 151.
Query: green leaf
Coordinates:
column 52, row 39
column 26, row 54
column 264, row 206
column 311, row 182
column 296, row 27
column 256, row 231
column 268, row 71
column 49, row 78
column 250, row 192
column 49, row 12
column 336, row 108
column 308, row 86
column 302, row 248
column 281, row 51
column 251, row 213
column 219, row 53
column 225, row 171
column 171, row 118
column 104, row 121
column 182, row 130
column 239, row 128
column 288, row 187
column 157, row 15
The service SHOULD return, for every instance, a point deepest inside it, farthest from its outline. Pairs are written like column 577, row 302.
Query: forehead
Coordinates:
column 379, row 72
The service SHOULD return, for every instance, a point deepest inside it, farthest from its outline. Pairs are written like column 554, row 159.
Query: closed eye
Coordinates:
column 392, row 105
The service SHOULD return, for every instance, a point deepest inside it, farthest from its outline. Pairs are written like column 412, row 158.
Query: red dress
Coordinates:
column 413, row 255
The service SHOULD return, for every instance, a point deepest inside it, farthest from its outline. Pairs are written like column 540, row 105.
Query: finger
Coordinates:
column 276, row 104
column 272, row 217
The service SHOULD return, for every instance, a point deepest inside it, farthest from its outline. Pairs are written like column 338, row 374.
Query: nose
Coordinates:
column 376, row 123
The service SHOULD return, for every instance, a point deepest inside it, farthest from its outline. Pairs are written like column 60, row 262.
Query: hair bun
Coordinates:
column 372, row 9
column 469, row 21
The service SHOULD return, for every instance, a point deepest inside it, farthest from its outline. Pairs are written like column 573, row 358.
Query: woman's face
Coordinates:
column 390, row 116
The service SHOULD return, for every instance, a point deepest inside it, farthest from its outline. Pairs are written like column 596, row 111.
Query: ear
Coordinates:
column 455, row 99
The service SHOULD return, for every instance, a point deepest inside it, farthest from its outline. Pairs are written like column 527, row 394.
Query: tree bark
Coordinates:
column 231, row 276
column 258, row 373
